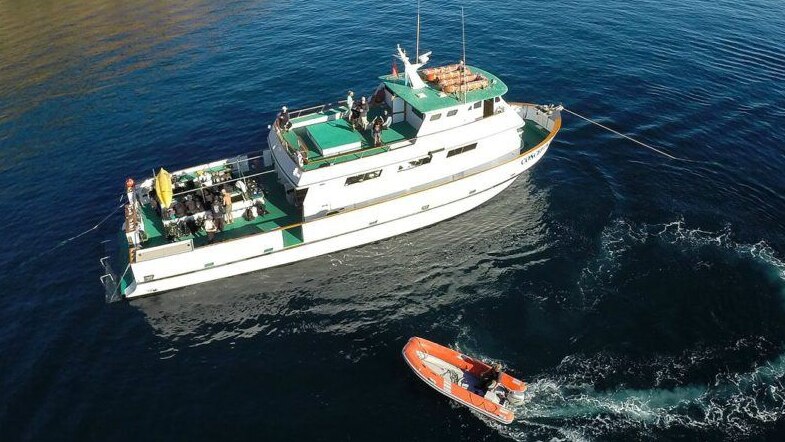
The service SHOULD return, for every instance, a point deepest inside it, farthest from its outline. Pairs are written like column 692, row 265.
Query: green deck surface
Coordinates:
column 332, row 134
column 281, row 214
column 298, row 137
column 433, row 99
column 533, row 134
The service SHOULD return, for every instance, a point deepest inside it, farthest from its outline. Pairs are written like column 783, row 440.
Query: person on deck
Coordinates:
column 349, row 105
column 227, row 200
column 363, row 109
column 387, row 120
column 283, row 119
column 490, row 376
column 210, row 228
column 378, row 124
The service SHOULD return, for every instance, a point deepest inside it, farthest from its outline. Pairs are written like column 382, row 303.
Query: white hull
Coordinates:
column 346, row 230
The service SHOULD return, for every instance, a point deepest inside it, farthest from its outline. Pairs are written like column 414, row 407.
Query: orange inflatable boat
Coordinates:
column 460, row 378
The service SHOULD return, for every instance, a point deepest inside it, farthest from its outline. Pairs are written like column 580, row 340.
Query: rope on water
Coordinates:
column 66, row 241
column 647, row 146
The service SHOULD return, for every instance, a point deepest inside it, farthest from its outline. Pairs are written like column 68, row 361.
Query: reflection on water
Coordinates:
column 69, row 47
column 71, row 38
column 368, row 287
column 58, row 56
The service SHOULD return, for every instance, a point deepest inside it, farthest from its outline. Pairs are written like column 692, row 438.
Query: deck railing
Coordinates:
column 292, row 150
column 314, row 109
column 330, row 160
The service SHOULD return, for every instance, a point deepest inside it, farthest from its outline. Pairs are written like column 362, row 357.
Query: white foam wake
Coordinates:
column 567, row 405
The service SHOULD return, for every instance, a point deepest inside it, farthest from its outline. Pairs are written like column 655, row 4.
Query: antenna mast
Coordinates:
column 464, row 88
column 417, row 50
column 463, row 32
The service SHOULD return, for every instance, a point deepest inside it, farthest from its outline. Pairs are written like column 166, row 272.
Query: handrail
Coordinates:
column 313, row 109
column 328, row 159
column 234, row 160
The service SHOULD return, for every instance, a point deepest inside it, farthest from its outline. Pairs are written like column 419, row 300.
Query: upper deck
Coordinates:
column 323, row 136
column 431, row 98
column 327, row 128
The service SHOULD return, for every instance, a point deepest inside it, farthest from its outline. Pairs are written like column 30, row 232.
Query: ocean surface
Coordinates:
column 642, row 298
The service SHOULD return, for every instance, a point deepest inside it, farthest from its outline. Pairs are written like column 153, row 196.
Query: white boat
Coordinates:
column 454, row 143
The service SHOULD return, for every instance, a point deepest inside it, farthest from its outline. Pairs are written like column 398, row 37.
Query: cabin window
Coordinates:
column 461, row 150
column 477, row 104
column 416, row 163
column 363, row 177
column 435, row 117
column 452, row 113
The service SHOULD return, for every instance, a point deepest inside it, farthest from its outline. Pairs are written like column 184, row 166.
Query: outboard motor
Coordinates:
column 516, row 397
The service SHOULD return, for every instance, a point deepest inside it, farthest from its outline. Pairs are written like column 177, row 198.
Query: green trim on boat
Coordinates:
column 120, row 263
column 533, row 134
column 293, row 236
column 430, row 99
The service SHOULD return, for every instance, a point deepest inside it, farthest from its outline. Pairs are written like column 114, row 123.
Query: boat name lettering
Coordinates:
column 531, row 156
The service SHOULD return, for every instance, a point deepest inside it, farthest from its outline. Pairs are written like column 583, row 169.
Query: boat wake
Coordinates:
column 695, row 391
column 736, row 405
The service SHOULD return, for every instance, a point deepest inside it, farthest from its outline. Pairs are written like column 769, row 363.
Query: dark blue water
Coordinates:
column 642, row 298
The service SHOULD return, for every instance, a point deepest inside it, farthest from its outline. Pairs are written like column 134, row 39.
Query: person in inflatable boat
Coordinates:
column 490, row 377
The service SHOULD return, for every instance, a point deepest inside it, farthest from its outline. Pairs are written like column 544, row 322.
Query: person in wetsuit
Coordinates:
column 491, row 376
column 378, row 124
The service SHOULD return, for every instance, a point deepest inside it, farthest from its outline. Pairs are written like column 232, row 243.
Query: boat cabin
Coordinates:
column 420, row 103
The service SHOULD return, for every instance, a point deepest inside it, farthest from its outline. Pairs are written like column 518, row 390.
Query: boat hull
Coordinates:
column 365, row 225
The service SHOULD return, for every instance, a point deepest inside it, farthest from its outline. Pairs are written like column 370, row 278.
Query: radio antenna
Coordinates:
column 463, row 32
column 464, row 88
column 417, row 50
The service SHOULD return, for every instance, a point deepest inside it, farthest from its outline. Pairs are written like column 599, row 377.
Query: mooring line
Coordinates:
column 647, row 146
column 66, row 241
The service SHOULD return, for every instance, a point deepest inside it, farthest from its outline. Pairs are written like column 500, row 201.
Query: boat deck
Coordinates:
column 463, row 379
column 533, row 134
column 339, row 132
column 281, row 214
column 432, row 98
